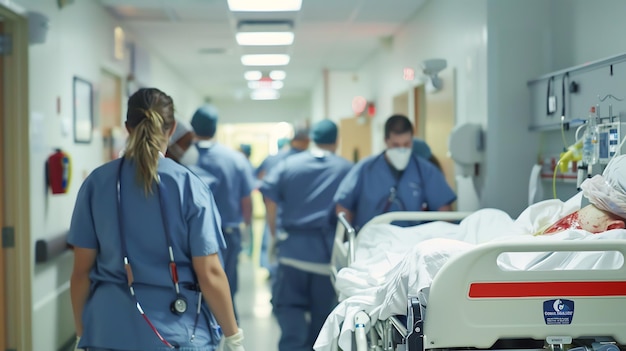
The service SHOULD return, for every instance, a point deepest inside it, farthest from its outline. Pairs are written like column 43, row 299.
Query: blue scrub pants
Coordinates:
column 264, row 257
column 296, row 294
column 232, row 235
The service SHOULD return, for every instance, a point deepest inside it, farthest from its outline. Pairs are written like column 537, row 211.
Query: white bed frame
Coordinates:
column 511, row 304
column 473, row 303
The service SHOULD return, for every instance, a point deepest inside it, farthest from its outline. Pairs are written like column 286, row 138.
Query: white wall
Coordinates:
column 79, row 43
column 519, row 49
column 587, row 31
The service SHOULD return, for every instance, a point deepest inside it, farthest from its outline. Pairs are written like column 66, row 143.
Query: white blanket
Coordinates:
column 393, row 263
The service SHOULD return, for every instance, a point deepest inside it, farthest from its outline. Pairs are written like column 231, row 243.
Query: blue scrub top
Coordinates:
column 209, row 179
column 110, row 317
column 271, row 161
column 303, row 186
column 366, row 190
column 234, row 177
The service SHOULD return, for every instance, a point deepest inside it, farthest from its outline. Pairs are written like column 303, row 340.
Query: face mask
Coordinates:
column 398, row 157
column 190, row 157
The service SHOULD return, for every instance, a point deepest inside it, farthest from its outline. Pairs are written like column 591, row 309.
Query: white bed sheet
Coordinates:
column 393, row 263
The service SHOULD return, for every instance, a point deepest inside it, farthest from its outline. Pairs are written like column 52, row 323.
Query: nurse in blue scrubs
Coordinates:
column 299, row 142
column 395, row 180
column 145, row 233
column 235, row 180
column 303, row 186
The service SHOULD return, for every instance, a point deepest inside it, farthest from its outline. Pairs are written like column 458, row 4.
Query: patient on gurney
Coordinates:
column 384, row 274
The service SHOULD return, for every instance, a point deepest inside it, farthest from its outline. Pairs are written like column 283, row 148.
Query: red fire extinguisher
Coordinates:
column 59, row 172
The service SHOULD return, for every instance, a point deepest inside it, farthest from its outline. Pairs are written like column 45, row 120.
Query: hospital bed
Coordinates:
column 344, row 251
column 473, row 303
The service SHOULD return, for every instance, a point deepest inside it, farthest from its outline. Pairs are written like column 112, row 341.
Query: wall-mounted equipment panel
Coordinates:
column 566, row 96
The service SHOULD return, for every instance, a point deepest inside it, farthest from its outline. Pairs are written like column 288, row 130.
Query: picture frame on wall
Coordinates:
column 83, row 111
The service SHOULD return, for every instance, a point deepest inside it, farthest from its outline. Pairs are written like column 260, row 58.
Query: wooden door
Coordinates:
column 438, row 123
column 355, row 138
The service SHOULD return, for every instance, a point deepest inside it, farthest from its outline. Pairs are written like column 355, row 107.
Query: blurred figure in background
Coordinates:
column 235, row 179
column 180, row 144
column 303, row 185
column 297, row 144
column 421, row 149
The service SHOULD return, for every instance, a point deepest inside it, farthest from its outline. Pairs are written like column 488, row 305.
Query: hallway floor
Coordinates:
column 261, row 331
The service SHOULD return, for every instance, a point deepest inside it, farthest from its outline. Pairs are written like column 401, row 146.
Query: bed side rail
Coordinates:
column 341, row 255
column 482, row 303
column 389, row 217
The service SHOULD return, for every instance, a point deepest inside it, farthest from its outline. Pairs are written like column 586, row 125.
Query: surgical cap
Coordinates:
column 608, row 191
column 281, row 142
column 420, row 148
column 324, row 132
column 246, row 149
column 182, row 128
column 204, row 121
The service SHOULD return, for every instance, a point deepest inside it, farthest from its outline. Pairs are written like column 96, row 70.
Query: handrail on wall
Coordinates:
column 48, row 249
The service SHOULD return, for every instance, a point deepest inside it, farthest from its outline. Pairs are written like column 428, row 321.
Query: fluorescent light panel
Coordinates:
column 264, row 38
column 264, row 94
column 253, row 75
column 265, row 60
column 264, row 6
column 278, row 75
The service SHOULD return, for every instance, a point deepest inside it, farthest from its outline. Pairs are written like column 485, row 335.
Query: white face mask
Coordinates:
column 398, row 157
column 190, row 157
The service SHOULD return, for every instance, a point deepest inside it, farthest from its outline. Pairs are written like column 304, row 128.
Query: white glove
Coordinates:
column 76, row 345
column 234, row 342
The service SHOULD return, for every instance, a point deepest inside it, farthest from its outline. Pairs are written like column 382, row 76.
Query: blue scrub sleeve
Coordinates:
column 247, row 179
column 204, row 221
column 438, row 192
column 347, row 194
column 271, row 183
column 82, row 231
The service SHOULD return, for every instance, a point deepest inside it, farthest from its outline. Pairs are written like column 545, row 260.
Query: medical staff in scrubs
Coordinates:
column 297, row 144
column 395, row 180
column 421, row 149
column 303, row 185
column 235, row 180
column 145, row 233
column 180, row 145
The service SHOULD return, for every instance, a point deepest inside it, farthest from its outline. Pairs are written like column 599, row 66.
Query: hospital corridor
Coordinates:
column 312, row 175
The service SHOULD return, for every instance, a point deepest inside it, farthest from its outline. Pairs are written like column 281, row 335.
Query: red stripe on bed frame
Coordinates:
column 546, row 289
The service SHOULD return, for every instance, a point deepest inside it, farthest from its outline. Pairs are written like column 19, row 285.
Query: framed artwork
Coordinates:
column 83, row 111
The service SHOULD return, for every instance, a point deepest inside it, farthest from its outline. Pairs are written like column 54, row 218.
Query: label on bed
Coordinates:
column 559, row 311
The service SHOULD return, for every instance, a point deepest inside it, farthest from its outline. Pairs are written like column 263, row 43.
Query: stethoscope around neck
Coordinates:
column 179, row 305
column 393, row 191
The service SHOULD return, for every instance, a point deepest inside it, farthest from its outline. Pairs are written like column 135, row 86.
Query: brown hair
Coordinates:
column 150, row 116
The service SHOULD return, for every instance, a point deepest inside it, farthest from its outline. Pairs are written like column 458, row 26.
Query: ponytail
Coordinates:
column 144, row 145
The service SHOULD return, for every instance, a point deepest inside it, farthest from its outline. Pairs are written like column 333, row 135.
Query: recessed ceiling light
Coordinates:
column 253, row 75
column 264, row 38
column 278, row 75
column 264, row 94
column 265, row 60
column 264, row 6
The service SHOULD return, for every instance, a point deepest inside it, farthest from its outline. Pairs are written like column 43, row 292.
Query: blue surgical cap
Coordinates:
column 246, row 149
column 204, row 121
column 281, row 142
column 324, row 132
column 420, row 148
